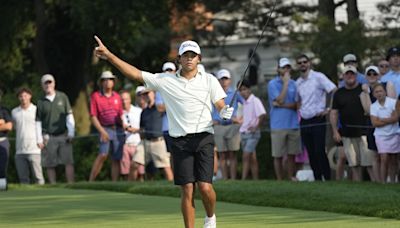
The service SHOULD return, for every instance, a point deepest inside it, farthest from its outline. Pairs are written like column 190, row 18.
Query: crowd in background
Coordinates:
column 363, row 110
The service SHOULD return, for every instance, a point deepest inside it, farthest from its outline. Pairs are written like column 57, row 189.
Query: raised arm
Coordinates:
column 125, row 68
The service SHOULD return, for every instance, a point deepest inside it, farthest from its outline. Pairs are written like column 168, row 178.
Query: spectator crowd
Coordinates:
column 362, row 110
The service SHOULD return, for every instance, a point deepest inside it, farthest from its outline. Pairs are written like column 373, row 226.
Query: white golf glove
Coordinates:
column 226, row 112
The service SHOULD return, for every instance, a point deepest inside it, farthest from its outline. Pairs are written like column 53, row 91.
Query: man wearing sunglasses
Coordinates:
column 312, row 90
column 55, row 128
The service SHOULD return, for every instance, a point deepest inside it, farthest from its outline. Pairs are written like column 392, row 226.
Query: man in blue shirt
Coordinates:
column 285, row 133
column 227, row 136
column 393, row 56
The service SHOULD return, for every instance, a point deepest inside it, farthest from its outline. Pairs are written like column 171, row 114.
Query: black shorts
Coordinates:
column 193, row 158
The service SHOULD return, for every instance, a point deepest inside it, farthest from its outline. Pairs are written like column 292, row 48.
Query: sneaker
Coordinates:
column 210, row 222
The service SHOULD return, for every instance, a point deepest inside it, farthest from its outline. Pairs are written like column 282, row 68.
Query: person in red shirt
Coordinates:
column 106, row 111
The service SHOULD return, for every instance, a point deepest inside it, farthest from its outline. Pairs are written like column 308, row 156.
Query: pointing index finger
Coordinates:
column 98, row 41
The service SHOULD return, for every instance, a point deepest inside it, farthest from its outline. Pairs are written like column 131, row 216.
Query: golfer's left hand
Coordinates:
column 101, row 51
column 226, row 112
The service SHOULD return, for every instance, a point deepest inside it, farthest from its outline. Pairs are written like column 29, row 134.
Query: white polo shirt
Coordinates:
column 312, row 93
column 384, row 111
column 24, row 122
column 132, row 119
column 188, row 102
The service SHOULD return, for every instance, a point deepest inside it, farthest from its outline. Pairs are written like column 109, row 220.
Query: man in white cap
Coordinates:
column 227, row 135
column 106, row 111
column 285, row 131
column 351, row 60
column 55, row 128
column 188, row 96
column 347, row 105
column 168, row 67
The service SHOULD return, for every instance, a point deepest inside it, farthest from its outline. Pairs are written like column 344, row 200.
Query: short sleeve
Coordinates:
column 373, row 111
column 217, row 92
column 93, row 105
column 259, row 107
column 326, row 83
column 273, row 91
column 150, row 80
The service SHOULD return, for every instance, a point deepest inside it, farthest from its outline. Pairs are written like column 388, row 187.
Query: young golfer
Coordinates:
column 188, row 95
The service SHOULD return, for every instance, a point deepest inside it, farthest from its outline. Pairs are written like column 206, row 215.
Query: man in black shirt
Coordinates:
column 347, row 104
column 154, row 143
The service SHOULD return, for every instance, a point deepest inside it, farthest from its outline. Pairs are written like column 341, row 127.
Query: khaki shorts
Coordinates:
column 152, row 150
column 357, row 153
column 285, row 142
column 227, row 137
column 57, row 151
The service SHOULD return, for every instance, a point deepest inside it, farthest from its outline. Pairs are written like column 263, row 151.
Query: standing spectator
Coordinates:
column 347, row 105
column 351, row 60
column 385, row 119
column 372, row 74
column 168, row 67
column 227, row 135
column 106, row 111
column 393, row 56
column 55, row 129
column 187, row 95
column 5, row 127
column 285, row 132
column 384, row 67
column 131, row 124
column 253, row 116
column 155, row 148
column 27, row 156
column 312, row 89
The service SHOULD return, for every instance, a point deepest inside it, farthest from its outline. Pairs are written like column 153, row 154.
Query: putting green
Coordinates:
column 53, row 207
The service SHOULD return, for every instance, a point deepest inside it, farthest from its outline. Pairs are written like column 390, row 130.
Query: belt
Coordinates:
column 196, row 134
column 156, row 139
column 57, row 134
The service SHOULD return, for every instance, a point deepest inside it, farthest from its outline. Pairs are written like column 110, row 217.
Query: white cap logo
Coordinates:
column 189, row 46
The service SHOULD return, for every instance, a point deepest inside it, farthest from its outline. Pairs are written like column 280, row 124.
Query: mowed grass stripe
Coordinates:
column 57, row 207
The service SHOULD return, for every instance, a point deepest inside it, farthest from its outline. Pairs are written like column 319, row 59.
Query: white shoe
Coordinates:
column 210, row 222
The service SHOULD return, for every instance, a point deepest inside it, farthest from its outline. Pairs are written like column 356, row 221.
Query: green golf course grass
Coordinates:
column 60, row 207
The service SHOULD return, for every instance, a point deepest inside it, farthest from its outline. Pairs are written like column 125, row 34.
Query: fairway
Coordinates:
column 58, row 207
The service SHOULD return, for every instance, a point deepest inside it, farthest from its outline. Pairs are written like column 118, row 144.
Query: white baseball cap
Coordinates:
column 107, row 74
column 47, row 77
column 223, row 73
column 349, row 57
column 168, row 65
column 189, row 45
column 373, row 68
column 284, row 62
column 140, row 89
column 350, row 68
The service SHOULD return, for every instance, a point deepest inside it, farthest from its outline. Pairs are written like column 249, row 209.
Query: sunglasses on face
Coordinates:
column 106, row 79
column 302, row 62
column 47, row 82
column 372, row 74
